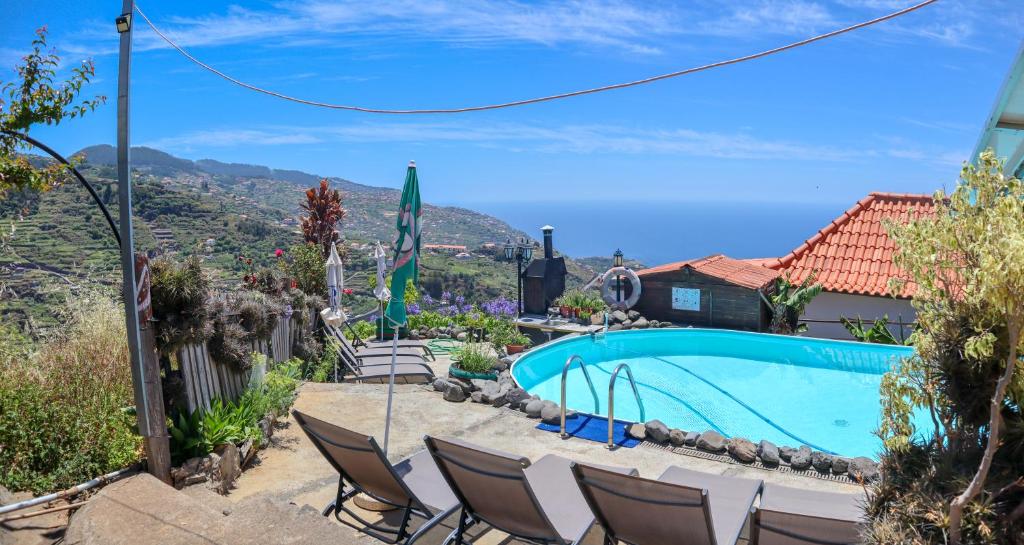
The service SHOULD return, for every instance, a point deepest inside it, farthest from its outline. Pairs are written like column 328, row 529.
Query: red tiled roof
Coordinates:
column 853, row 254
column 733, row 271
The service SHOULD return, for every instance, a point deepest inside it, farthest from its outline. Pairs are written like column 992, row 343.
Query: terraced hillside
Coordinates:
column 54, row 244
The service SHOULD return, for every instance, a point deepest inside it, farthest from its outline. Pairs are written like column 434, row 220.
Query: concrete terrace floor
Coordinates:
column 292, row 471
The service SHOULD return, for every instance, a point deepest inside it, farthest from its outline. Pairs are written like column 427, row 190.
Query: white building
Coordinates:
column 851, row 258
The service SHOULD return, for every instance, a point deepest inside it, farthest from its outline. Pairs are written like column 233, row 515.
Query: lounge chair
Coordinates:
column 791, row 516
column 372, row 352
column 413, row 485
column 361, row 344
column 681, row 506
column 535, row 502
column 379, row 369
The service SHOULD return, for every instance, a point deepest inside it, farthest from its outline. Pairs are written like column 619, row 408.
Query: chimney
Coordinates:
column 549, row 250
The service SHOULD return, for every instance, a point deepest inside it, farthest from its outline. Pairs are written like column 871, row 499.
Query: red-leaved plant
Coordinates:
column 323, row 212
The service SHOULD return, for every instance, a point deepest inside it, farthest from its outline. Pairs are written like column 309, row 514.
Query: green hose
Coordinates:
column 442, row 346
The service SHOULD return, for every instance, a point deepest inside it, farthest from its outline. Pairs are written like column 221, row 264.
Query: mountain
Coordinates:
column 149, row 158
column 107, row 155
column 59, row 242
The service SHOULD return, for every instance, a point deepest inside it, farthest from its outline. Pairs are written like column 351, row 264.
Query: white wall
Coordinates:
column 830, row 306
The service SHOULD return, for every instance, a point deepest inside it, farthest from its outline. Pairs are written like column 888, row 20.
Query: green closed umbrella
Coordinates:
column 407, row 246
column 406, row 267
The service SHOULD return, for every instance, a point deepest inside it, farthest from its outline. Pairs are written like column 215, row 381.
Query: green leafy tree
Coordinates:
column 962, row 480
column 33, row 99
column 788, row 303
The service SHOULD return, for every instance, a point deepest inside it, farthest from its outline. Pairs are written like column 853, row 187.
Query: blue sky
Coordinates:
column 893, row 108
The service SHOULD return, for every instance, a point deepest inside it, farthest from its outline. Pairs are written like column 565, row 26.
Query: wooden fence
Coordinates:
column 205, row 379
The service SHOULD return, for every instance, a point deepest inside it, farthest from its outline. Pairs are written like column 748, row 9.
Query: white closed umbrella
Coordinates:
column 335, row 279
column 381, row 291
column 333, row 315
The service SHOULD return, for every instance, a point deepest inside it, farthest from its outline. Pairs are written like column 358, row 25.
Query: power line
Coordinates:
column 651, row 79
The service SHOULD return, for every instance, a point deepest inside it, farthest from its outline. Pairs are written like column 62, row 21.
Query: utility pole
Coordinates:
column 146, row 383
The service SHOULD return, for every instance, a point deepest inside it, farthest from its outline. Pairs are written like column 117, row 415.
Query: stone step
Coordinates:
column 141, row 510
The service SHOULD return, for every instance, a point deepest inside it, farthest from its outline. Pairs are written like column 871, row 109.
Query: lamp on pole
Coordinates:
column 521, row 252
column 617, row 262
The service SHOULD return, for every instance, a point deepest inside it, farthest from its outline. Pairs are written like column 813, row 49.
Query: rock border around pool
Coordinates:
column 740, row 449
column 504, row 392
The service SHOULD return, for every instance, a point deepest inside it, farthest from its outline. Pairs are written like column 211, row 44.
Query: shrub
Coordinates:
column 322, row 368
column 363, row 330
column 306, row 265
column 198, row 433
column 428, row 319
column 62, row 408
column 179, row 296
column 474, row 358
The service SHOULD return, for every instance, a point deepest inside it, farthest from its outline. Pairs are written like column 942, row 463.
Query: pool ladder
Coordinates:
column 586, row 375
column 593, row 392
column 611, row 401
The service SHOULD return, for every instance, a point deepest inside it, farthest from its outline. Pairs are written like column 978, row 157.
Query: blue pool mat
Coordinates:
column 594, row 428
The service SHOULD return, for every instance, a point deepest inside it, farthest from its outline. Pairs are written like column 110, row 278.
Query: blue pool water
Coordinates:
column 788, row 390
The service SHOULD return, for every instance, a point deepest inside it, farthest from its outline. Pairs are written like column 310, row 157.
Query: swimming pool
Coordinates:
column 788, row 390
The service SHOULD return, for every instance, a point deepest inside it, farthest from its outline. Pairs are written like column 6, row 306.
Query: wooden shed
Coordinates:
column 713, row 291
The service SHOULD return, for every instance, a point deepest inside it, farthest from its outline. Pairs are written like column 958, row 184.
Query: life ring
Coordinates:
column 609, row 296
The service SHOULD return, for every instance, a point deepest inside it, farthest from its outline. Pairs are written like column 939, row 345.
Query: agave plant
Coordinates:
column 788, row 303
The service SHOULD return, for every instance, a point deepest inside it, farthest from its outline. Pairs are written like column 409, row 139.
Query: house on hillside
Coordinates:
column 852, row 259
column 450, row 249
column 713, row 291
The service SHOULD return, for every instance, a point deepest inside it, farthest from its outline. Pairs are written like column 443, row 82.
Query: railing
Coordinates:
column 586, row 375
column 611, row 401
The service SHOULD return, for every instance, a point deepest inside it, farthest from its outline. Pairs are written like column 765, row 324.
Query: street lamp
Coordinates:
column 617, row 262
column 520, row 252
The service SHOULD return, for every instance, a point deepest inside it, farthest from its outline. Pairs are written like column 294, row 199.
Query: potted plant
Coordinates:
column 473, row 360
column 517, row 343
column 506, row 336
column 565, row 304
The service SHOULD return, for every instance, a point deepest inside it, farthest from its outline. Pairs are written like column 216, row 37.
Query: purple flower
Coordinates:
column 466, row 308
column 460, row 300
column 412, row 308
column 445, row 297
column 500, row 307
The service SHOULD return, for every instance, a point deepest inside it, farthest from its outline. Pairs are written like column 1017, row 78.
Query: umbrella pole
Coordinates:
column 391, row 391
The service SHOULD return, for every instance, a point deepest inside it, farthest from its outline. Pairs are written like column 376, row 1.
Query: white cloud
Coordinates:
column 224, row 138
column 592, row 139
column 514, row 137
column 633, row 27
column 790, row 17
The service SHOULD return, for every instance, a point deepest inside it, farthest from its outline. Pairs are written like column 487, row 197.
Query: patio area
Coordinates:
column 292, row 471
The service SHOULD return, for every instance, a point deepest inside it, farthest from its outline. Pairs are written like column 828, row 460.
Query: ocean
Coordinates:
column 662, row 232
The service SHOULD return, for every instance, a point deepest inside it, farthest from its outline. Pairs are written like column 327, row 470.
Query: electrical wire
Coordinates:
column 536, row 100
